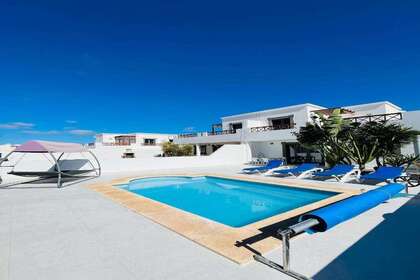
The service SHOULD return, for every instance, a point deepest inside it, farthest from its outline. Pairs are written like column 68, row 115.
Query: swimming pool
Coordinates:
column 235, row 203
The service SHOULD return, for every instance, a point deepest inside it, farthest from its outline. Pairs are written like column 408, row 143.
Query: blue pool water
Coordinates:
column 231, row 202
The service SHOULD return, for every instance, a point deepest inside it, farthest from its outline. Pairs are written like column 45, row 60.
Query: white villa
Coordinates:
column 269, row 133
column 107, row 227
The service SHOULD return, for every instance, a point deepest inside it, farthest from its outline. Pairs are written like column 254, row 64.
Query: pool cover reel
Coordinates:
column 332, row 215
column 326, row 218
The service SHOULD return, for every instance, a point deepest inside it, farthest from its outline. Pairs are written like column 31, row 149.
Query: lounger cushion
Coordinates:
column 270, row 165
column 384, row 173
column 337, row 170
column 297, row 170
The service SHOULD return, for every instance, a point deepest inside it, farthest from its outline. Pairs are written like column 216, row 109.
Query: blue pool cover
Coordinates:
column 332, row 215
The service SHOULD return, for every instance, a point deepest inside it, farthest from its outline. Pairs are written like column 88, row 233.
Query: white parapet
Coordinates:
column 112, row 161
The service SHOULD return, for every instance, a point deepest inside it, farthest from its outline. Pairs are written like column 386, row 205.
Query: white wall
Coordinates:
column 111, row 161
column 226, row 155
column 256, row 123
column 301, row 115
column 117, row 151
column 412, row 119
column 373, row 109
column 109, row 138
column 160, row 138
column 272, row 149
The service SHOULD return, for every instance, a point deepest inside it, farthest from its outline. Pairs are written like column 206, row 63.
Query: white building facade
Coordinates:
column 132, row 139
column 270, row 133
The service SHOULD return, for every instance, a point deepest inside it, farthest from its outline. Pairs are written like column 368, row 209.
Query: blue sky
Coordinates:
column 72, row 68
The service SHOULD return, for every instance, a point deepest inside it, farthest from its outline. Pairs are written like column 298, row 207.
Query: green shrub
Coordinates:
column 400, row 160
column 187, row 150
column 175, row 150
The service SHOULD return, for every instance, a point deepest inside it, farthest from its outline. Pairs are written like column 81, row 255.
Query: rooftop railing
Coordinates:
column 376, row 118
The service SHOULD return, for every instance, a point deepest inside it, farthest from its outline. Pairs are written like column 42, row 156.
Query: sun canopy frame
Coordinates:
column 50, row 147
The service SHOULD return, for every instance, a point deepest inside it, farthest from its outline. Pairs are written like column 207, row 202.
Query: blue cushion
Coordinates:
column 337, row 170
column 384, row 173
column 270, row 165
column 301, row 168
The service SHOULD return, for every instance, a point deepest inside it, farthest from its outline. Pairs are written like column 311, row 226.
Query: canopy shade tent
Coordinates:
column 52, row 148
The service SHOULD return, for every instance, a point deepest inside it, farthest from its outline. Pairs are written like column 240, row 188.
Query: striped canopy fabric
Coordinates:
column 50, row 147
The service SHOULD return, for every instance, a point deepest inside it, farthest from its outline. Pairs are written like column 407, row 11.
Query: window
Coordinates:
column 149, row 142
column 282, row 123
column 235, row 126
column 125, row 140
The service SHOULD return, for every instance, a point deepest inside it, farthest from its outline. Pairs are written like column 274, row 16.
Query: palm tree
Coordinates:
column 324, row 135
column 390, row 137
column 340, row 141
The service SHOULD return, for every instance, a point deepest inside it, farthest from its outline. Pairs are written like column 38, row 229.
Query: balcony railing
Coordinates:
column 210, row 133
column 270, row 128
column 221, row 132
column 118, row 144
column 187, row 135
column 376, row 118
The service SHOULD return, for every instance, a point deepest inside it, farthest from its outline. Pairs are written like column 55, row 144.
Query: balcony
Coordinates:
column 210, row 133
column 223, row 136
column 261, row 133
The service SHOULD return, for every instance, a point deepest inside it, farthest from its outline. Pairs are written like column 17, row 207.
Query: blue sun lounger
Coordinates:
column 384, row 174
column 341, row 172
column 301, row 171
column 271, row 164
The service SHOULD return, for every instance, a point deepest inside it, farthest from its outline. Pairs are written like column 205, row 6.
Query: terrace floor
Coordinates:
column 75, row 233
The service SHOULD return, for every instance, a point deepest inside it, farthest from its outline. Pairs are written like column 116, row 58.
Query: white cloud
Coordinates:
column 81, row 132
column 42, row 132
column 17, row 125
column 71, row 121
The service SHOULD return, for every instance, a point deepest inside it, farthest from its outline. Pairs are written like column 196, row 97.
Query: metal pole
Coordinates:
column 97, row 161
column 4, row 159
column 285, row 237
column 58, row 170
column 58, row 159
